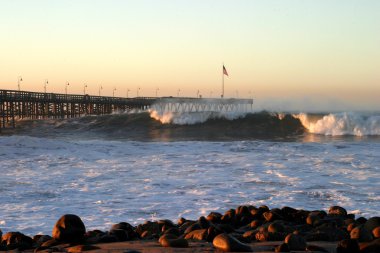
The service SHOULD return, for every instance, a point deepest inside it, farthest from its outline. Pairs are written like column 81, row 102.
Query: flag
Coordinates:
column 225, row 71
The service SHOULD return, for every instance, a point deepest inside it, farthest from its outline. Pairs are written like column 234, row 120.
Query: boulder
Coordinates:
column 227, row 243
column 295, row 242
column 69, row 228
column 16, row 240
column 337, row 211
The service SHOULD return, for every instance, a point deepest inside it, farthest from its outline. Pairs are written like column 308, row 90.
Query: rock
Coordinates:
column 276, row 226
column 16, row 240
column 81, row 248
column 295, row 242
column 372, row 223
column 361, row 234
column 69, row 228
column 227, row 243
column 212, row 232
column 370, row 247
column 199, row 234
column 120, row 234
column 214, row 217
column 49, row 243
column 376, row 232
column 173, row 231
column 150, row 226
column 282, row 248
column 203, row 222
column 337, row 211
column 128, row 228
column 172, row 241
column 272, row 215
column 313, row 219
column 255, row 224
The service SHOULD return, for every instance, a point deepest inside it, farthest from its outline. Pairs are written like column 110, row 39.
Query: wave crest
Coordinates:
column 191, row 118
column 339, row 124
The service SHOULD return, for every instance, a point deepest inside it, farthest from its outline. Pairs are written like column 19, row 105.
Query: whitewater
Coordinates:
column 112, row 169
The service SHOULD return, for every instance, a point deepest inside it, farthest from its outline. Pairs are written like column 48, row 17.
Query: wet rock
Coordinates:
column 152, row 227
column 372, row 223
column 172, row 241
column 199, row 234
column 337, row 211
column 214, row 217
column 127, row 228
column 81, row 248
column 173, row 231
column 361, row 234
column 16, row 240
column 120, row 234
column 376, row 232
column 276, row 227
column 227, row 243
column 255, row 224
column 203, row 222
column 370, row 247
column 69, row 228
column 272, row 215
column 295, row 242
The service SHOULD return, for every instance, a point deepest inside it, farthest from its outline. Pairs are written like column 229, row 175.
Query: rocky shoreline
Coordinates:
column 244, row 229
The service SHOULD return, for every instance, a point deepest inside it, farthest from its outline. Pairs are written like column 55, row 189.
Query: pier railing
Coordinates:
column 15, row 105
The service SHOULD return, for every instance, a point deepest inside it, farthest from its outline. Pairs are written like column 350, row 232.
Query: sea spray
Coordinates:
column 339, row 124
column 191, row 118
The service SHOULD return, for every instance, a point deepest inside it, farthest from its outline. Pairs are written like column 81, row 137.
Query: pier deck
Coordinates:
column 16, row 105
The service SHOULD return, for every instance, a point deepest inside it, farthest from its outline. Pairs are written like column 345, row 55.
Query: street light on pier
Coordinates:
column 197, row 93
column 178, row 91
column 100, row 88
column 19, row 80
column 45, row 85
column 113, row 92
column 157, row 89
column 138, row 88
column 128, row 90
column 84, row 89
column 67, row 84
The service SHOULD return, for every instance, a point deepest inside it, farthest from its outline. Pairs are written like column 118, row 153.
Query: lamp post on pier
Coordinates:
column 137, row 93
column 45, row 84
column 84, row 89
column 100, row 89
column 128, row 90
column 66, row 85
column 19, row 80
column 113, row 92
column 157, row 89
column 178, row 91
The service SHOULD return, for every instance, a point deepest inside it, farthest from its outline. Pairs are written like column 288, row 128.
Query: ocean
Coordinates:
column 142, row 166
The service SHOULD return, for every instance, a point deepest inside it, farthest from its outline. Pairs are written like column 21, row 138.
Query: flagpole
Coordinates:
column 223, row 81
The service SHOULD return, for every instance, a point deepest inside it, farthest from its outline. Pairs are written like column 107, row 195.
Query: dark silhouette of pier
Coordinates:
column 17, row 105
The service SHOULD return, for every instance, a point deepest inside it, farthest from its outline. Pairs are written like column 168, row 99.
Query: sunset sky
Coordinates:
column 289, row 54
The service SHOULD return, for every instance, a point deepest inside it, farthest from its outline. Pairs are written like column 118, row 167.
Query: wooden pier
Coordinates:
column 16, row 105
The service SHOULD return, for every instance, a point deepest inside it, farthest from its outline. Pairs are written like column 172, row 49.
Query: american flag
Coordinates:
column 225, row 71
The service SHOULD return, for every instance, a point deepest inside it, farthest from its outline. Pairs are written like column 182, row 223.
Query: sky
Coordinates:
column 286, row 54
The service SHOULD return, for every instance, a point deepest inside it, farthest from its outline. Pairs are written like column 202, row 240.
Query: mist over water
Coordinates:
column 132, row 167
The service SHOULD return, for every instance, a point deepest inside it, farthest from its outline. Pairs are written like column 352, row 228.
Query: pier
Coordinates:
column 17, row 105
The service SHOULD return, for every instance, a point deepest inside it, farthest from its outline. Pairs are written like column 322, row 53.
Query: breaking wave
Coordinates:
column 338, row 124
column 218, row 126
